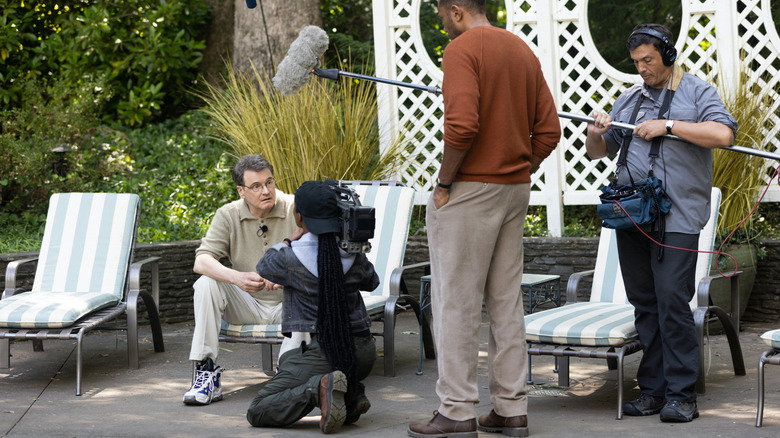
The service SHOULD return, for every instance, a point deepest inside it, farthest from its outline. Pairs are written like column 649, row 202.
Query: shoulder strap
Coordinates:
column 655, row 148
column 627, row 141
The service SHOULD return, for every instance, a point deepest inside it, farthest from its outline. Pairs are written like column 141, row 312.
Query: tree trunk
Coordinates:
column 284, row 19
column 219, row 38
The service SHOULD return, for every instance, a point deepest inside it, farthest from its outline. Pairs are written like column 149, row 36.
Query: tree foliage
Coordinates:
column 144, row 54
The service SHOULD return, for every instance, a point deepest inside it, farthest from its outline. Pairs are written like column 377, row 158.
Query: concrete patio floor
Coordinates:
column 37, row 395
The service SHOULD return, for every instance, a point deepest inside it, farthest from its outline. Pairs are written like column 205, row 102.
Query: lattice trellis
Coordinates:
column 717, row 33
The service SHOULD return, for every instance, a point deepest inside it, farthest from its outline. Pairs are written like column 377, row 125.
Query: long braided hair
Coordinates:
column 333, row 325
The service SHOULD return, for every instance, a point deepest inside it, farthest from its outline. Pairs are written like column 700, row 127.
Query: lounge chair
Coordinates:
column 84, row 277
column 603, row 328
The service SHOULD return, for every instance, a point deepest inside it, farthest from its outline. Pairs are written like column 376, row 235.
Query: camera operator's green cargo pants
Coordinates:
column 294, row 391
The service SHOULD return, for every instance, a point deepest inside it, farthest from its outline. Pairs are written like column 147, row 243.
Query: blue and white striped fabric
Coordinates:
column 393, row 208
column 587, row 323
column 608, row 318
column 772, row 338
column 251, row 330
column 83, row 263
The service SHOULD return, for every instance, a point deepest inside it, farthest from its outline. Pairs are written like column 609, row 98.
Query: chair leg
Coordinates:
column 620, row 385
column 154, row 322
column 563, row 371
column 267, row 359
column 5, row 353
column 37, row 345
column 79, row 362
column 388, row 333
column 699, row 319
column 760, row 407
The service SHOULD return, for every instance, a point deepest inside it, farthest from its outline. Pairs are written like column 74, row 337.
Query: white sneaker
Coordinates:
column 208, row 384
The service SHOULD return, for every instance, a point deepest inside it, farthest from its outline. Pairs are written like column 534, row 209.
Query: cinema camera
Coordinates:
column 357, row 221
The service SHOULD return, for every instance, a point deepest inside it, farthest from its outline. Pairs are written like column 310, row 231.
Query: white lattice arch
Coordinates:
column 579, row 77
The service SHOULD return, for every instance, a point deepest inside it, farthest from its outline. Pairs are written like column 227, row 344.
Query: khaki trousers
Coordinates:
column 476, row 249
column 214, row 301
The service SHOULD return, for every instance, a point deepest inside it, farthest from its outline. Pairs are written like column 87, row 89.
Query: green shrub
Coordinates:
column 52, row 117
column 145, row 52
column 180, row 173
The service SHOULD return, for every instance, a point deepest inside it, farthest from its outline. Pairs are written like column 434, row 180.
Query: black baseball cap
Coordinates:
column 317, row 202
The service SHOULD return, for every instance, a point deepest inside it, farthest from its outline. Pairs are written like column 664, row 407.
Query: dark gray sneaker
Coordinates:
column 679, row 412
column 646, row 404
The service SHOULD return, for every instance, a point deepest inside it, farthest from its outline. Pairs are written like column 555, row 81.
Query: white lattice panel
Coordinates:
column 760, row 42
column 581, row 80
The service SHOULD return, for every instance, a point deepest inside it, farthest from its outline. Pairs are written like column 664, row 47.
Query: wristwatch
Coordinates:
column 669, row 126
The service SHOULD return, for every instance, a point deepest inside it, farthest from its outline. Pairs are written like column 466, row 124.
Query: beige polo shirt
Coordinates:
column 233, row 232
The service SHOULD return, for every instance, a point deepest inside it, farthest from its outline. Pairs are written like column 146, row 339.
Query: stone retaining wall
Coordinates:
column 559, row 256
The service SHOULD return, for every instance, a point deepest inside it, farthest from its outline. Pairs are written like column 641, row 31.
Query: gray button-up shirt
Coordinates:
column 685, row 169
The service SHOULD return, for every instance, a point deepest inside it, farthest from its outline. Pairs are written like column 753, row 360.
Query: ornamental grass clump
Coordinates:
column 328, row 130
column 741, row 176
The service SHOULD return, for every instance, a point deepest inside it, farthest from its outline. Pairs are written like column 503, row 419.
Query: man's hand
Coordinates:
column 595, row 144
column 250, row 281
column 650, row 129
column 602, row 123
column 297, row 234
column 440, row 197
column 272, row 286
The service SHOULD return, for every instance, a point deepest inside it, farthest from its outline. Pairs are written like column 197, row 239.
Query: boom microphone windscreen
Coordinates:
column 251, row 4
column 295, row 70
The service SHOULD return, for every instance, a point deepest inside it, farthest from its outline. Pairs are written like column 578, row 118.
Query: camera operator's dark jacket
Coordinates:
column 299, row 304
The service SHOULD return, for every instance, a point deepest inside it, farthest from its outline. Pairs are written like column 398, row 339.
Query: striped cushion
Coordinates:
column 50, row 309
column 772, row 338
column 251, row 330
column 393, row 206
column 83, row 262
column 592, row 324
column 87, row 243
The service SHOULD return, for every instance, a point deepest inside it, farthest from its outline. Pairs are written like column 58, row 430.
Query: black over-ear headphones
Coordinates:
column 668, row 52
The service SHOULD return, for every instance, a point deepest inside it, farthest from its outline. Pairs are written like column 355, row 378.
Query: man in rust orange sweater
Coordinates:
column 500, row 122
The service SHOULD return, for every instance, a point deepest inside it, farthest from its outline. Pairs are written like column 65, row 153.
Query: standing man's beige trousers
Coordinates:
column 476, row 248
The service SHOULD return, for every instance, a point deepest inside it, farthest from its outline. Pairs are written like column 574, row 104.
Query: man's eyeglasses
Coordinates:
column 258, row 187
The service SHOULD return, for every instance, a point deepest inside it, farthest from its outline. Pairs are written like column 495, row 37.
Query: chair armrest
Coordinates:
column 573, row 284
column 703, row 294
column 10, row 276
column 397, row 284
column 135, row 277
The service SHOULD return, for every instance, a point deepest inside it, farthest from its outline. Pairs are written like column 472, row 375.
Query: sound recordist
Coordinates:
column 660, row 282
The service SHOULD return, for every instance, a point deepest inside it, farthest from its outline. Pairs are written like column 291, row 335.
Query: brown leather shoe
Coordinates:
column 441, row 427
column 334, row 411
column 509, row 426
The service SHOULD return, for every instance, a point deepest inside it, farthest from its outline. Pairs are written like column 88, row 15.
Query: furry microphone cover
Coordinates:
column 304, row 54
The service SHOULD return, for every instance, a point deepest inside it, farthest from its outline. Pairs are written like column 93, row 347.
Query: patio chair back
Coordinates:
column 393, row 207
column 87, row 243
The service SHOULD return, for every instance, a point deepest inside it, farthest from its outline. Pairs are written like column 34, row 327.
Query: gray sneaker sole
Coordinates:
column 337, row 410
